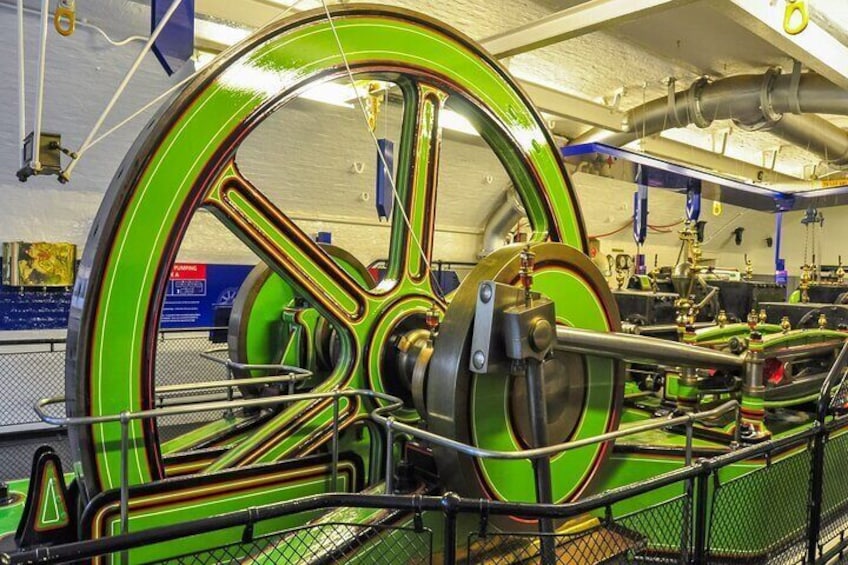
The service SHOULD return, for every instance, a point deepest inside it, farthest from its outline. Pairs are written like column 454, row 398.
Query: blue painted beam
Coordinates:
column 781, row 201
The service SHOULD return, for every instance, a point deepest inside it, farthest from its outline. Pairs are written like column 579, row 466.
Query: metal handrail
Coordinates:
column 209, row 355
column 538, row 452
column 395, row 403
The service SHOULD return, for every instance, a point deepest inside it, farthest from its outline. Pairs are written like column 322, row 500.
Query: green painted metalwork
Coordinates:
column 146, row 211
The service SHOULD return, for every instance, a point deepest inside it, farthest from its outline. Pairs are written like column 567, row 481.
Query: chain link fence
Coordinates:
column 656, row 534
column 31, row 369
column 326, row 543
column 773, row 503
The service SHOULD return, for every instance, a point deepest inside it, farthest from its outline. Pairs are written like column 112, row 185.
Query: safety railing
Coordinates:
column 393, row 426
column 124, row 418
column 640, row 536
column 698, row 498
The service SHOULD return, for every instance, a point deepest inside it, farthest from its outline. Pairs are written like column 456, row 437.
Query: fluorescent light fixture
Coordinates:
column 219, row 33
column 331, row 93
column 297, row 4
column 451, row 120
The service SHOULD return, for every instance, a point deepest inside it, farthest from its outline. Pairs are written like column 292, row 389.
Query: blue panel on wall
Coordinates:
column 175, row 44
column 384, row 200
column 195, row 291
column 31, row 309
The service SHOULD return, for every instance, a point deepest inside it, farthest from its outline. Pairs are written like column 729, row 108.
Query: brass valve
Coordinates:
column 805, row 283
column 762, row 317
column 721, row 319
column 785, row 326
column 752, row 319
column 822, row 321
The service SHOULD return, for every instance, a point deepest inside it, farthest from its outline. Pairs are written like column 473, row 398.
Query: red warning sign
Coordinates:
column 188, row 271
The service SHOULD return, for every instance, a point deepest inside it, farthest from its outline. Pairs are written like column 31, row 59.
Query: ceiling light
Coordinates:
column 219, row 33
column 451, row 120
column 297, row 4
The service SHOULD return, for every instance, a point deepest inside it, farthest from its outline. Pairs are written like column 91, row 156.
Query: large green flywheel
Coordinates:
column 185, row 159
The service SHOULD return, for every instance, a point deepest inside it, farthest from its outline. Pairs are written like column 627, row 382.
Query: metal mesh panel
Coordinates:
column 666, row 529
column 761, row 517
column 323, row 543
column 834, row 491
column 27, row 373
column 657, row 534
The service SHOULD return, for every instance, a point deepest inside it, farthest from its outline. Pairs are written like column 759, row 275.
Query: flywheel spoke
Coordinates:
column 272, row 235
column 418, row 168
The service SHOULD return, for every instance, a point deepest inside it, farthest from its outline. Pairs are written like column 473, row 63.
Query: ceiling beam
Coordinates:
column 683, row 153
column 564, row 105
column 572, row 22
column 815, row 47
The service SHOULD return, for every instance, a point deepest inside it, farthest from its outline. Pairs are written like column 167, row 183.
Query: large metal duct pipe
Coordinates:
column 754, row 102
column 501, row 221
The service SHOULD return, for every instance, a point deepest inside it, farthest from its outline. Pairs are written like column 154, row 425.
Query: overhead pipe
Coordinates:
column 771, row 102
column 505, row 216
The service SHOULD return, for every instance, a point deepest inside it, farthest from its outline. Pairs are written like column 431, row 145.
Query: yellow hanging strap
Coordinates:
column 65, row 17
column 375, row 98
column 803, row 18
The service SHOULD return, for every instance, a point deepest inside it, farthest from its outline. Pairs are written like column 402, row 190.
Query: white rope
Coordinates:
column 386, row 168
column 39, row 101
column 161, row 96
column 121, row 87
column 138, row 112
column 21, row 85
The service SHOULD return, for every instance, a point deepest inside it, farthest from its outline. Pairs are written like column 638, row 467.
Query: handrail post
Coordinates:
column 816, row 492
column 450, row 502
column 817, row 459
column 699, row 551
column 125, row 482
column 335, row 470
column 229, row 412
column 689, row 491
column 389, row 455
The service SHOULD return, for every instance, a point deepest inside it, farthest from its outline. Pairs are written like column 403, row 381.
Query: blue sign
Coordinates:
column 197, row 290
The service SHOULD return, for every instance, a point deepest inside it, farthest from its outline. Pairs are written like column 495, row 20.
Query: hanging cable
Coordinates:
column 116, row 43
column 39, row 101
column 65, row 175
column 382, row 158
column 21, row 85
column 621, row 228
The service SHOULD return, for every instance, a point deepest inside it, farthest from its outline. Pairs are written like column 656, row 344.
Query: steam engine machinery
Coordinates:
column 518, row 388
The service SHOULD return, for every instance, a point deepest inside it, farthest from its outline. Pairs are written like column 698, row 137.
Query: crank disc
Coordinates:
column 486, row 410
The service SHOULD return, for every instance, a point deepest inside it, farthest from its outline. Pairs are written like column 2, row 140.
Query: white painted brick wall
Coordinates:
column 83, row 70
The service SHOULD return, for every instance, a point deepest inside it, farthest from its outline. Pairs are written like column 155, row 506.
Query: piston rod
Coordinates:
column 643, row 349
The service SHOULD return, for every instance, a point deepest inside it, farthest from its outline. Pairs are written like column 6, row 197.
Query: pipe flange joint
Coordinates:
column 694, row 102
column 769, row 115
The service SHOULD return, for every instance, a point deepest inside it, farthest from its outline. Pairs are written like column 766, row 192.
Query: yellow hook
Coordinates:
column 793, row 6
column 65, row 17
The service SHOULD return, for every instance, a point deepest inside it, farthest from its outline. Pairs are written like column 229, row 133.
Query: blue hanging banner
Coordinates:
column 175, row 44
column 640, row 214
column 384, row 200
column 693, row 200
